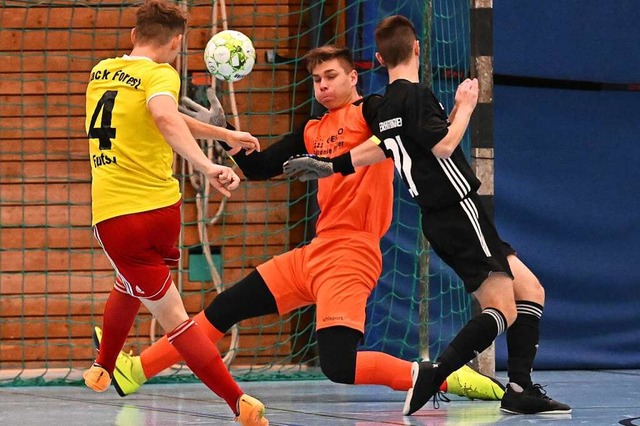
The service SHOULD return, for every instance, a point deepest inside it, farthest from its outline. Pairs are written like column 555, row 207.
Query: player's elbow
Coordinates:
column 165, row 121
column 442, row 150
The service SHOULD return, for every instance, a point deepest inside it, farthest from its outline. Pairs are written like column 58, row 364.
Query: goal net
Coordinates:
column 54, row 278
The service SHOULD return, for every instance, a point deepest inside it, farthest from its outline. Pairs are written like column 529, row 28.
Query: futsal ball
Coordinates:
column 229, row 55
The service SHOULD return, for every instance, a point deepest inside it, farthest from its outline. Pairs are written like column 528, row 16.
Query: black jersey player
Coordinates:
column 411, row 126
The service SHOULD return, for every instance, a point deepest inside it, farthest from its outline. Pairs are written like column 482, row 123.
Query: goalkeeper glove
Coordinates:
column 213, row 115
column 307, row 167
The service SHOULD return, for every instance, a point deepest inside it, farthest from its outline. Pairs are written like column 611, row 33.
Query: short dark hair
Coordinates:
column 318, row 55
column 395, row 37
column 157, row 21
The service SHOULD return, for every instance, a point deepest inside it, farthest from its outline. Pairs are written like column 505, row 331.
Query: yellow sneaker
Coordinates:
column 251, row 412
column 469, row 383
column 97, row 378
column 128, row 375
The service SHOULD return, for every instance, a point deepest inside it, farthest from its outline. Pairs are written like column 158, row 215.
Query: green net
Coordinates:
column 54, row 278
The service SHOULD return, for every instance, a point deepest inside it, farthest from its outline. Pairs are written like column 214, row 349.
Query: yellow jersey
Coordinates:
column 131, row 162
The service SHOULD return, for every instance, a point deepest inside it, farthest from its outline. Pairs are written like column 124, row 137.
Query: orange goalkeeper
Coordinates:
column 338, row 269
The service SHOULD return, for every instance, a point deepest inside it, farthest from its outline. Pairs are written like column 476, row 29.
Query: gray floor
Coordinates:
column 597, row 397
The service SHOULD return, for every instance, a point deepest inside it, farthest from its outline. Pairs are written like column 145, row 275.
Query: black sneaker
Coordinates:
column 531, row 400
column 425, row 386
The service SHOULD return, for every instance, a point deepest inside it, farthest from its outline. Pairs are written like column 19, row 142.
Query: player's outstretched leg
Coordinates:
column 128, row 375
column 532, row 399
column 426, row 384
column 251, row 412
column 473, row 385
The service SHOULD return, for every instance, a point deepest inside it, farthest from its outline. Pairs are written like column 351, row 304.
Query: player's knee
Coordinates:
column 530, row 290
column 537, row 292
column 339, row 370
column 337, row 348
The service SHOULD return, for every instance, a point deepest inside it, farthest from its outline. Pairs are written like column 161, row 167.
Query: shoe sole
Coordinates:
column 415, row 369
column 114, row 381
column 554, row 412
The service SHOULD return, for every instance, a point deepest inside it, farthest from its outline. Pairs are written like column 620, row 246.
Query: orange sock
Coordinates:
column 377, row 368
column 203, row 358
column 162, row 355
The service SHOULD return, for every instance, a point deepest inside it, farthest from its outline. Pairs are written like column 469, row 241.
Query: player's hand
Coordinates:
column 243, row 140
column 307, row 167
column 222, row 178
column 467, row 93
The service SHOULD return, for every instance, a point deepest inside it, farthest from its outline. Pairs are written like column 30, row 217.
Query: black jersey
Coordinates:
column 409, row 121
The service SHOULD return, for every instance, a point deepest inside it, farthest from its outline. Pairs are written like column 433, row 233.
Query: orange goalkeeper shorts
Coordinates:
column 335, row 271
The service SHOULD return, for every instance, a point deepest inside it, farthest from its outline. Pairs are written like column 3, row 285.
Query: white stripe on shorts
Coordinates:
column 472, row 213
column 125, row 286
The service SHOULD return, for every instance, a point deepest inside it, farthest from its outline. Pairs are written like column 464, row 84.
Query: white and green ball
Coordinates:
column 229, row 55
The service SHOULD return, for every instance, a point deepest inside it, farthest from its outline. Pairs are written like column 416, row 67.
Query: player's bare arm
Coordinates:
column 234, row 138
column 465, row 102
column 176, row 132
column 367, row 153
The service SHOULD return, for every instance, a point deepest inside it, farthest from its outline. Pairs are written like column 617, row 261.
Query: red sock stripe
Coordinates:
column 179, row 330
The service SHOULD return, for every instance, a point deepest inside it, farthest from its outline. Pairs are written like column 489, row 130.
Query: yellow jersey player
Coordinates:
column 134, row 127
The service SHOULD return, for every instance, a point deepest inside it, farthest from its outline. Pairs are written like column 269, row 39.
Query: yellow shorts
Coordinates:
column 334, row 271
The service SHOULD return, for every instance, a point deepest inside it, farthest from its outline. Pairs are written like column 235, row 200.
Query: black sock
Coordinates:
column 522, row 342
column 476, row 336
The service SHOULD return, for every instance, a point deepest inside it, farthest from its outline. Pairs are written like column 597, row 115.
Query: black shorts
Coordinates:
column 466, row 239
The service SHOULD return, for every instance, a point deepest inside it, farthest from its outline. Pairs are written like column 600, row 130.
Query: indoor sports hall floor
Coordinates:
column 609, row 397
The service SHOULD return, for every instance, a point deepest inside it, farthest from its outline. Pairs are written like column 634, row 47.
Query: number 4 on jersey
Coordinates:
column 105, row 132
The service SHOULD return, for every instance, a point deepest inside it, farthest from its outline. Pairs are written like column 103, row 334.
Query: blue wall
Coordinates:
column 567, row 174
column 578, row 39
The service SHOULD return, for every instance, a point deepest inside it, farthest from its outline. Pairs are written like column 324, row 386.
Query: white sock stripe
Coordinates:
column 498, row 318
column 527, row 309
column 179, row 330
column 472, row 213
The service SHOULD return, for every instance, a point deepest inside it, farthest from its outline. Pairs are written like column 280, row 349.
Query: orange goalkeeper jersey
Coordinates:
column 361, row 201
